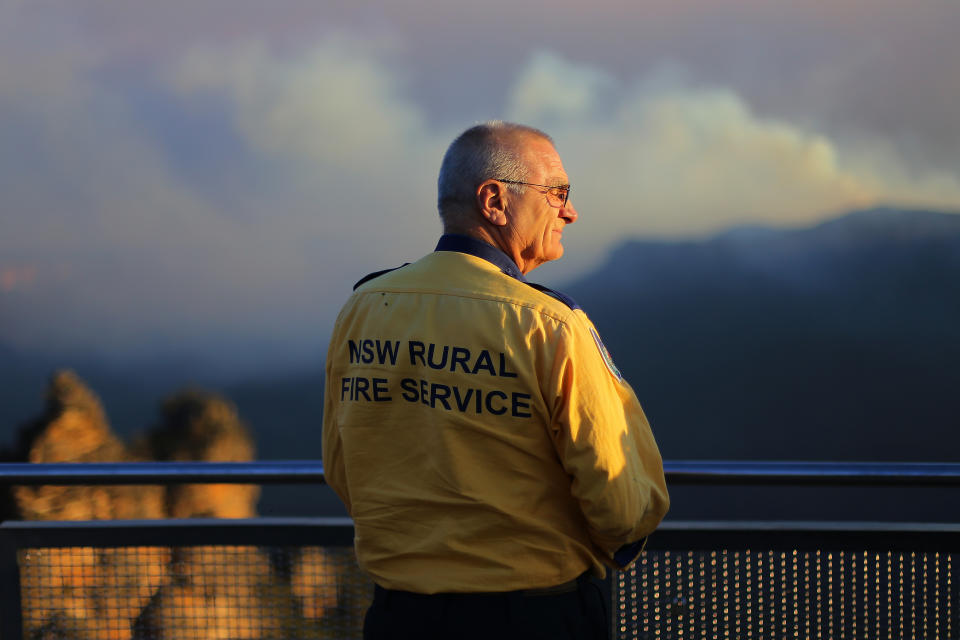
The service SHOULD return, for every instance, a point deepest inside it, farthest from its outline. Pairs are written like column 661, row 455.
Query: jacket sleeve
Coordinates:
column 605, row 444
column 333, row 465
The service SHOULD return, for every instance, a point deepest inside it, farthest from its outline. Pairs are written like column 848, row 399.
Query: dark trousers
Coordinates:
column 576, row 614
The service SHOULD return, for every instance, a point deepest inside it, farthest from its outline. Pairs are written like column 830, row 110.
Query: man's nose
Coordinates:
column 569, row 213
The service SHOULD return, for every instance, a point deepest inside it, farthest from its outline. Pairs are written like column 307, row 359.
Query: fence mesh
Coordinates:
column 185, row 593
column 290, row 593
column 767, row 595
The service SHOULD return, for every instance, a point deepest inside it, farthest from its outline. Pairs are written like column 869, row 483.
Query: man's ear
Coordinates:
column 492, row 202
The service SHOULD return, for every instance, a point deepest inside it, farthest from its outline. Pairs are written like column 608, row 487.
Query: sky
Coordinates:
column 208, row 178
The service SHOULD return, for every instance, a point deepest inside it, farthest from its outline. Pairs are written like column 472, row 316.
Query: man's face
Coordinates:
column 536, row 226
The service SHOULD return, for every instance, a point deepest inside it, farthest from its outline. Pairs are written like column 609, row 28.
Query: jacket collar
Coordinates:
column 480, row 249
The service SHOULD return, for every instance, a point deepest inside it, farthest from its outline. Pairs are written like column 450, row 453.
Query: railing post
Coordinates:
column 11, row 615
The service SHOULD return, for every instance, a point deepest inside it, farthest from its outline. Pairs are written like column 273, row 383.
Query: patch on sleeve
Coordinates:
column 605, row 354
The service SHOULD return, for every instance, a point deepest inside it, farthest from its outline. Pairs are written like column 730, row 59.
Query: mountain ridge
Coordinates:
column 811, row 330
column 877, row 286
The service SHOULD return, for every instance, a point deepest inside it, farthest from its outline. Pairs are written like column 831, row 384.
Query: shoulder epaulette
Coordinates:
column 562, row 297
column 376, row 274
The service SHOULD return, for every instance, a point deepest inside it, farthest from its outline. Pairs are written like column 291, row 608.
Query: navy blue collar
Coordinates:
column 488, row 252
column 480, row 249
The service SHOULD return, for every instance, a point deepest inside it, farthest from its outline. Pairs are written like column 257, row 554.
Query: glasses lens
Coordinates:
column 558, row 196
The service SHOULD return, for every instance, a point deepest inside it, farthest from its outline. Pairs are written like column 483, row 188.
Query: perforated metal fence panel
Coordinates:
column 788, row 594
column 811, row 580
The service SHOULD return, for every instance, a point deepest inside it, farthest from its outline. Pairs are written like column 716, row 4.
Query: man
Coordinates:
column 479, row 434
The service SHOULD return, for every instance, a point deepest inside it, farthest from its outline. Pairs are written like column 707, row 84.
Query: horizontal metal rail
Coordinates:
column 675, row 534
column 162, row 473
column 174, row 532
column 787, row 535
column 681, row 472
column 709, row 472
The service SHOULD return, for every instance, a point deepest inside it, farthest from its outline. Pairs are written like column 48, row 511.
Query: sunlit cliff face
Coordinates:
column 74, row 428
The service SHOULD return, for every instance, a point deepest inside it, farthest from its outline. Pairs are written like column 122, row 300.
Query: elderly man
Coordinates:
column 487, row 448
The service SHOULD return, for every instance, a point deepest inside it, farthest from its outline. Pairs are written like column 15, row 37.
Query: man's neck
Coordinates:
column 476, row 247
column 484, row 234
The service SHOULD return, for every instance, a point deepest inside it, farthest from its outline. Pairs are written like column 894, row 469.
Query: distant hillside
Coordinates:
column 836, row 342
column 132, row 393
column 22, row 382
column 841, row 341
column 283, row 415
column 284, row 412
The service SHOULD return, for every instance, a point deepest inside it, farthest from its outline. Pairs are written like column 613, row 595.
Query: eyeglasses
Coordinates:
column 557, row 195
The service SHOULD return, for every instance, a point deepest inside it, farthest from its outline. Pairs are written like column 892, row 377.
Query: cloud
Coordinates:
column 326, row 170
column 334, row 116
column 335, row 104
column 338, row 174
column 671, row 157
column 551, row 89
column 137, row 254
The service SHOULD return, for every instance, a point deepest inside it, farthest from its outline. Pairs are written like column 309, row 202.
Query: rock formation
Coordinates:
column 84, row 592
column 330, row 591
column 317, row 596
column 75, row 429
column 159, row 593
column 220, row 592
column 201, row 426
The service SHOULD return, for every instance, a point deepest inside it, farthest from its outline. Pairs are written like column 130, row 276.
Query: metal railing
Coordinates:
column 295, row 577
column 695, row 472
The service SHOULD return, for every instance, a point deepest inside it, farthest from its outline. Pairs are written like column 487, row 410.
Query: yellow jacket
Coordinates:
column 479, row 434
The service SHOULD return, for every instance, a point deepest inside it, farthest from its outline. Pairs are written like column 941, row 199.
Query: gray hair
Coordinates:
column 485, row 151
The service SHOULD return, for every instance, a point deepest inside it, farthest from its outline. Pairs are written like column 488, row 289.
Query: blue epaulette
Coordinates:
column 562, row 297
column 376, row 274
